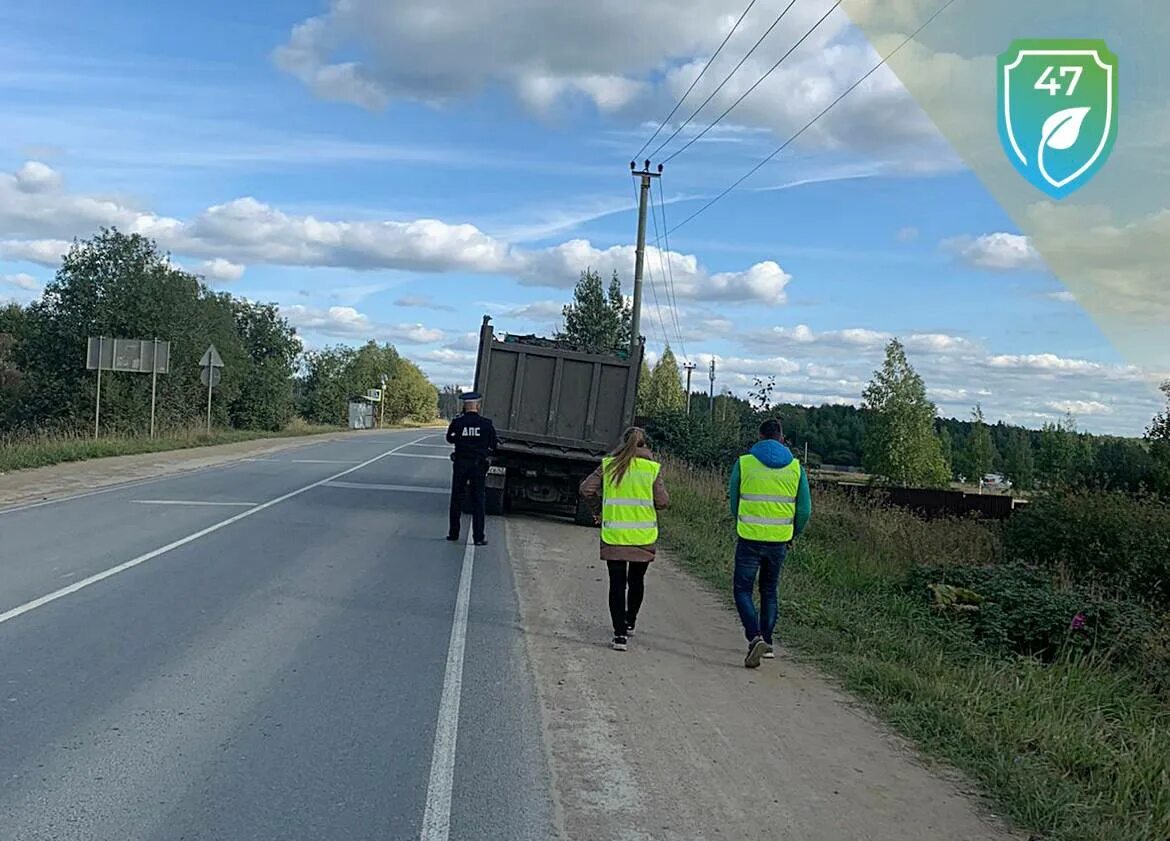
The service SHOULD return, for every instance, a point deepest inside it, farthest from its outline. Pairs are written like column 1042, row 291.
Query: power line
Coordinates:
column 672, row 299
column 758, row 82
column 678, row 104
column 669, row 262
column 809, row 124
column 726, row 79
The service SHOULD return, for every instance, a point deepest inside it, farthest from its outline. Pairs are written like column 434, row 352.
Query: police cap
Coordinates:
column 470, row 396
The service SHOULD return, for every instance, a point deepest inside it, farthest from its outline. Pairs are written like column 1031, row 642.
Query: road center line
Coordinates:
column 183, row 541
column 436, row 824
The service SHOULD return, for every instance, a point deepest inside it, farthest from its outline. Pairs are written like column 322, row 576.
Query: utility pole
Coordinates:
column 382, row 395
column 640, row 253
column 689, row 366
column 712, row 401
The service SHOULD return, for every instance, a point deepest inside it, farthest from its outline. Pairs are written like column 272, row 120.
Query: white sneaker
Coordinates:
column 618, row 644
column 769, row 653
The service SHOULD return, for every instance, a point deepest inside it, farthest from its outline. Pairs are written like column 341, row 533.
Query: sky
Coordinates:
column 397, row 170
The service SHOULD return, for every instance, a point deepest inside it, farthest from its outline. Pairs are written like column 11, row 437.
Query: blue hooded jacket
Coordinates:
column 774, row 454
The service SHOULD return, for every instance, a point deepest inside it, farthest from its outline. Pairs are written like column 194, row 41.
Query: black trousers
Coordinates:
column 627, row 586
column 464, row 473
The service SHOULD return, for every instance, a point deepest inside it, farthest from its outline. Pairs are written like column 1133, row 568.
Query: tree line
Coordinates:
column 895, row 433
column 120, row 285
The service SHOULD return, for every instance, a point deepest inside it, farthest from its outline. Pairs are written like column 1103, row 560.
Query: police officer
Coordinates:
column 474, row 438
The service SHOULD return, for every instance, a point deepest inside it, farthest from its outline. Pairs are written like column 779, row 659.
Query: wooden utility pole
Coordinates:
column 712, row 399
column 690, row 366
column 640, row 253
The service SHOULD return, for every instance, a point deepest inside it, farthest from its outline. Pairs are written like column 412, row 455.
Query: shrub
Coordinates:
column 1112, row 539
column 1023, row 610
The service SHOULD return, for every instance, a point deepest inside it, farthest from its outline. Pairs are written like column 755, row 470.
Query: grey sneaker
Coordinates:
column 769, row 652
column 755, row 652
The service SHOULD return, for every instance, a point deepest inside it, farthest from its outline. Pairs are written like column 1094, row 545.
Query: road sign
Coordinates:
column 211, row 377
column 211, row 358
column 374, row 395
column 145, row 356
column 134, row 355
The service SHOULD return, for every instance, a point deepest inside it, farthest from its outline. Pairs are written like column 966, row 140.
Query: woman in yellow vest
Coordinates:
column 630, row 490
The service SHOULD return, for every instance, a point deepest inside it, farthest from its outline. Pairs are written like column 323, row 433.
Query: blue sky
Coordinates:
column 394, row 170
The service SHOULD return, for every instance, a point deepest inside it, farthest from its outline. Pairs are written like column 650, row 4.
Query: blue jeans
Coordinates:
column 763, row 560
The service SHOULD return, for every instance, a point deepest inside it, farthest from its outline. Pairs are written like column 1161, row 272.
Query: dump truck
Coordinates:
column 557, row 410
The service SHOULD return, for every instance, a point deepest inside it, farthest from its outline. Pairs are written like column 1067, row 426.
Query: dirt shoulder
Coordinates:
column 24, row 486
column 674, row 739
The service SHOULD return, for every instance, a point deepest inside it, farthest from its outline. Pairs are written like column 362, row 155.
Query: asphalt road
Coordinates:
column 279, row 648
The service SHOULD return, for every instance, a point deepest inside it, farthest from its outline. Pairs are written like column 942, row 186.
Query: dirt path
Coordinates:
column 23, row 486
column 674, row 739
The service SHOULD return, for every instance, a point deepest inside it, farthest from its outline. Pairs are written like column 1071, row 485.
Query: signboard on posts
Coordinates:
column 144, row 356
column 140, row 356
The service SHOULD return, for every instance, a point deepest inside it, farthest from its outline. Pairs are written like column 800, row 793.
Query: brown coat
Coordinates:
column 591, row 490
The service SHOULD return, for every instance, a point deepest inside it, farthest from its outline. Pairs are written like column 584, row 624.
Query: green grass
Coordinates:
column 44, row 450
column 1076, row 750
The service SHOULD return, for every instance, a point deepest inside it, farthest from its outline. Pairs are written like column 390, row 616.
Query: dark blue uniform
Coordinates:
column 474, row 438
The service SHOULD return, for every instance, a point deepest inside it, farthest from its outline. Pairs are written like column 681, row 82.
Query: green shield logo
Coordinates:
column 1057, row 110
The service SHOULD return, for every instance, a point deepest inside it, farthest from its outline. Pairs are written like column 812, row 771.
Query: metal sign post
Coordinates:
column 97, row 406
column 211, row 363
column 153, row 382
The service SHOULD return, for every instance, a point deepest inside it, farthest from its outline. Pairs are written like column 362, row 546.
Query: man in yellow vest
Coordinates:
column 771, row 504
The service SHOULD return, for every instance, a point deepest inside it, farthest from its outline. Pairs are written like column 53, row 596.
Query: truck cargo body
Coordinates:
column 556, row 411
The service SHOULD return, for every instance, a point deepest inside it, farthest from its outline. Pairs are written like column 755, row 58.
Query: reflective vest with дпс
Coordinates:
column 628, row 517
column 767, row 500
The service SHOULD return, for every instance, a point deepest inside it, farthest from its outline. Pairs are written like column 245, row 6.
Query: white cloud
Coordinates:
column 422, row 302
column 835, row 365
column 1080, row 407
column 349, row 323
column 464, row 341
column 999, row 251
column 247, row 231
column 221, row 269
column 541, row 311
column 44, row 252
column 625, row 59
column 907, row 234
column 857, row 338
column 1064, row 296
column 22, row 281
column 1048, row 362
column 36, row 177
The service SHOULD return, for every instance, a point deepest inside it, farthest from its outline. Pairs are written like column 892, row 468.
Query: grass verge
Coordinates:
column 1076, row 750
column 43, row 451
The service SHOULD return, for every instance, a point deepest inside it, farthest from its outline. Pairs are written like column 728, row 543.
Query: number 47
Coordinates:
column 1046, row 82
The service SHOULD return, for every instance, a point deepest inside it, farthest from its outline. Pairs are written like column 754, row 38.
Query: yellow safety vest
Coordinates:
column 628, row 517
column 767, row 500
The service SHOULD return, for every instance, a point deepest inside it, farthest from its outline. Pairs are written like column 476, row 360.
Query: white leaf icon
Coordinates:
column 1062, row 129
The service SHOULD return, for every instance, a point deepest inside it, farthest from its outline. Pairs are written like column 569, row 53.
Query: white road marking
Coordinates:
column 191, row 502
column 120, row 486
column 436, row 824
column 183, row 541
column 301, row 461
column 436, row 446
column 421, row 455
column 371, row 486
